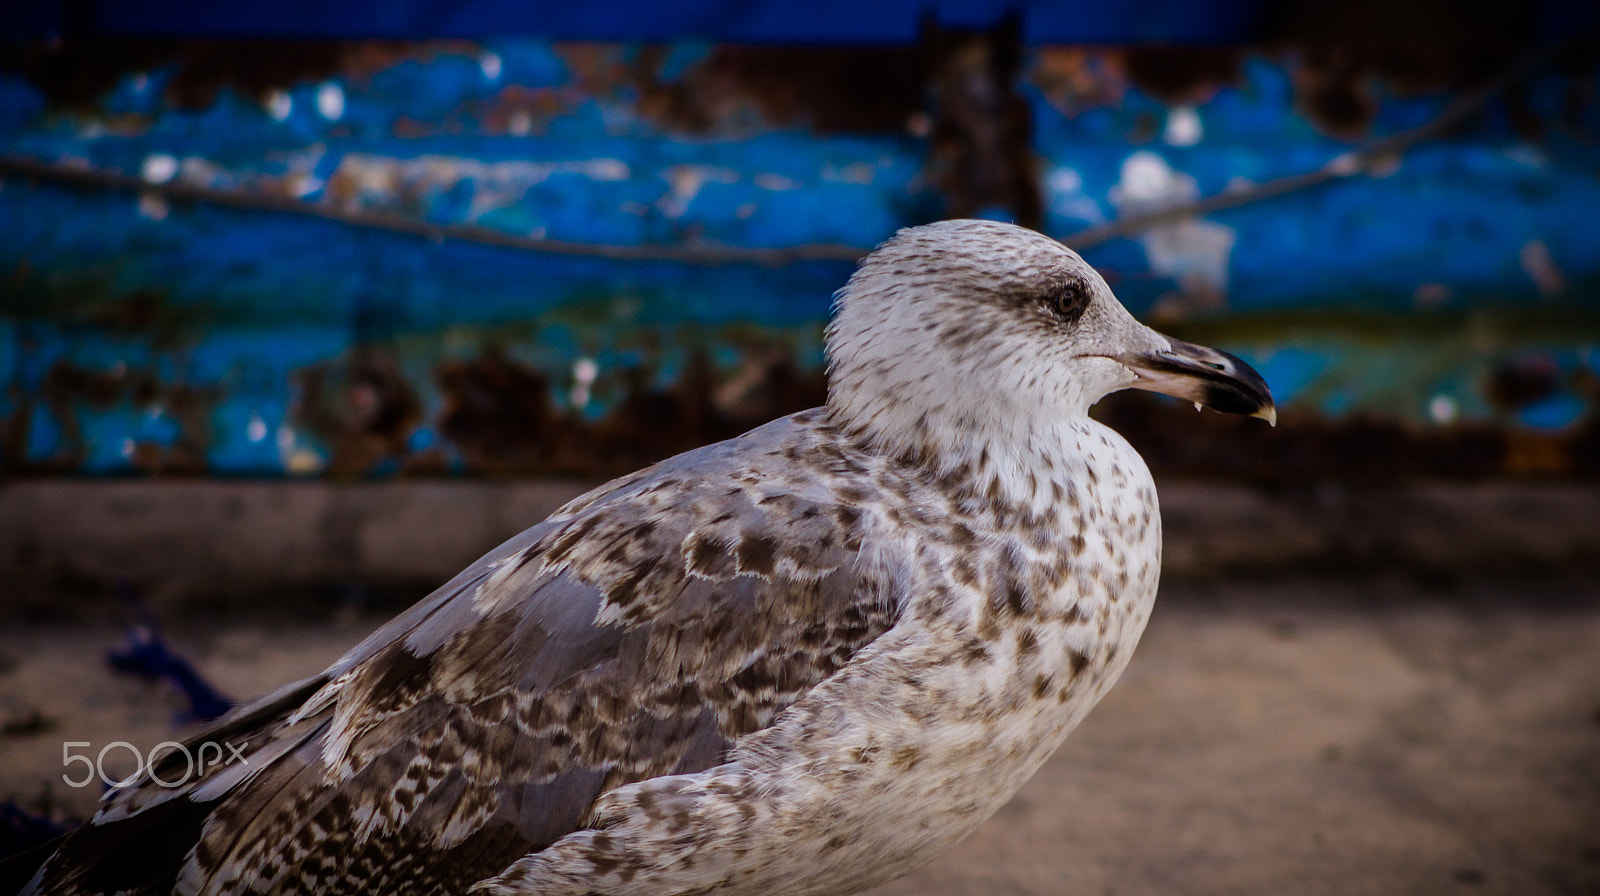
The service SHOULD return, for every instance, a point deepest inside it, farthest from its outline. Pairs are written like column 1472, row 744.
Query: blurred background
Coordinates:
column 302, row 307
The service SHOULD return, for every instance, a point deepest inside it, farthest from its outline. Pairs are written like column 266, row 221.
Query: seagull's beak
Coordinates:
column 1204, row 376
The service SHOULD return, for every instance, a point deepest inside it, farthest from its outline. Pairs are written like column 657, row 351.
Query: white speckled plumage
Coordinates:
column 802, row 661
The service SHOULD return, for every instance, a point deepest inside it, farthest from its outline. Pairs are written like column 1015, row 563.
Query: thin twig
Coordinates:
column 177, row 191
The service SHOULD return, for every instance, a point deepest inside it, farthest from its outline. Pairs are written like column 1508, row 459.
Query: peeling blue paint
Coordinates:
column 241, row 303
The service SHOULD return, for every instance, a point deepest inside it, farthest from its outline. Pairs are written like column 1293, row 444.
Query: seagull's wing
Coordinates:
column 636, row 633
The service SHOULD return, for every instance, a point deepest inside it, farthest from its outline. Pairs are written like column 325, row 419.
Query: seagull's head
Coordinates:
column 961, row 329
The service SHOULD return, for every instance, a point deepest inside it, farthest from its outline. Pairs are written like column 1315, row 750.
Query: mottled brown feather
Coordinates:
column 636, row 633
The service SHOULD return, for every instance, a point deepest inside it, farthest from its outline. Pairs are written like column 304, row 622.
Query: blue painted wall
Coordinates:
column 825, row 21
column 818, row 21
column 1475, row 254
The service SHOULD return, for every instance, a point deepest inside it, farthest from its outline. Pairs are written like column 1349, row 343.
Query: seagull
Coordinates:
column 805, row 660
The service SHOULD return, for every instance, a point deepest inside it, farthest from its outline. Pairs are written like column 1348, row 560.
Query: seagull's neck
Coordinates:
column 1026, row 465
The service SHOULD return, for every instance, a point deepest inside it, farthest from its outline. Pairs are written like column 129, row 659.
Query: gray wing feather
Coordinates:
column 638, row 632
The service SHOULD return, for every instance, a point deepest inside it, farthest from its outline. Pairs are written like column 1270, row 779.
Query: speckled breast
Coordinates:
column 1013, row 640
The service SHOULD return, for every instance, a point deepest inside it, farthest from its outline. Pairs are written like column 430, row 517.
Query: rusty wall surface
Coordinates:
column 1430, row 309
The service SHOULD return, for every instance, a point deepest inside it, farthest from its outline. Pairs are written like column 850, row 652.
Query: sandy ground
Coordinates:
column 1293, row 736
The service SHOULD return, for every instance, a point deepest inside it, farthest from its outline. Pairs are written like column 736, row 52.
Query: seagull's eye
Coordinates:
column 1067, row 302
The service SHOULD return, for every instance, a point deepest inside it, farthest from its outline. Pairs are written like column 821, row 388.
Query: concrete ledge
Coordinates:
column 1429, row 528
column 222, row 543
column 226, row 542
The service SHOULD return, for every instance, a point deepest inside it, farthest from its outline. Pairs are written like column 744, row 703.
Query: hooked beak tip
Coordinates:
column 1205, row 376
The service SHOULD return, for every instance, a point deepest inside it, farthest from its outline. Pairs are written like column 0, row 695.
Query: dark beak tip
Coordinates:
column 1216, row 379
column 1251, row 388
